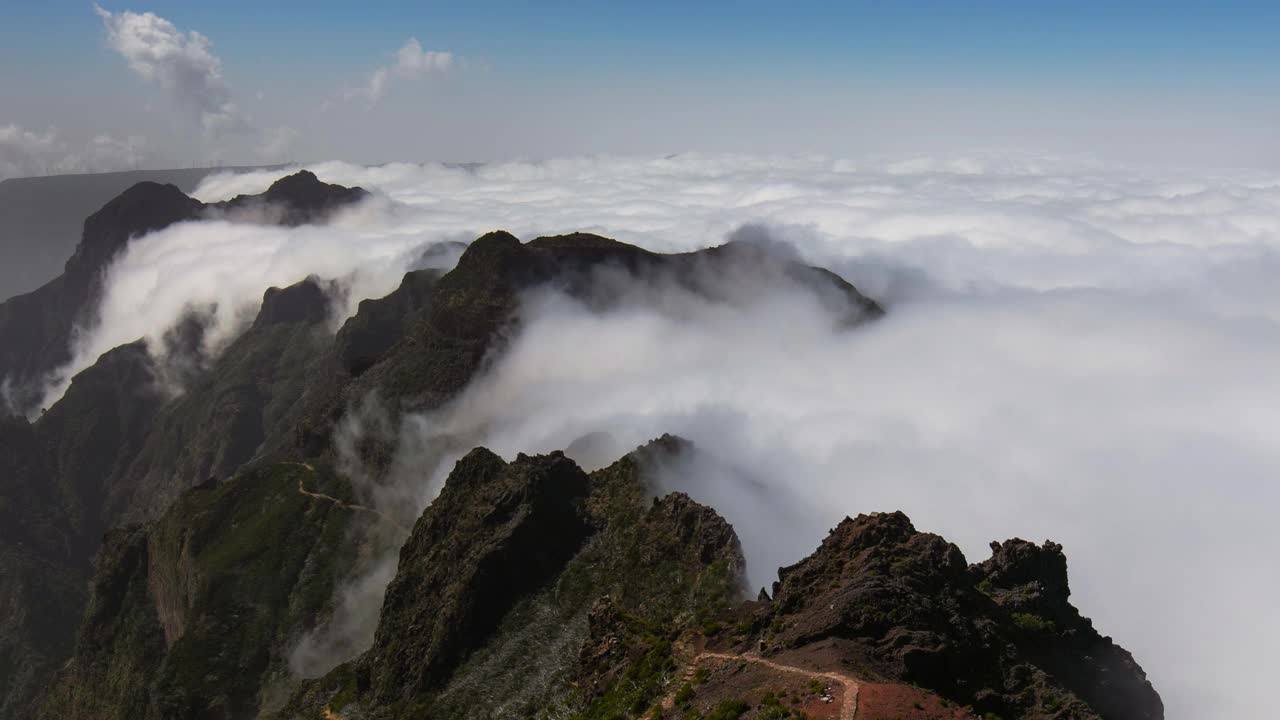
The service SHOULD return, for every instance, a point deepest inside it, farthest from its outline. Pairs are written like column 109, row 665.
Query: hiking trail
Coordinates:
column 342, row 503
column 849, row 696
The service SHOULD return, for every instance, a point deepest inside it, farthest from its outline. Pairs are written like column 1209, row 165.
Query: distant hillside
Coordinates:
column 40, row 218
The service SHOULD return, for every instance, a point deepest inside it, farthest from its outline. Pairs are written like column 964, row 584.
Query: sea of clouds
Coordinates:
column 1073, row 350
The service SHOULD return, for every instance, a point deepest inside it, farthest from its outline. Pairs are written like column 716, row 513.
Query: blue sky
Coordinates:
column 536, row 79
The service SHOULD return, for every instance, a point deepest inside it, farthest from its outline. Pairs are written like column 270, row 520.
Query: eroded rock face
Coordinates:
column 380, row 323
column 1030, row 583
column 1029, row 578
column 496, row 532
column 1000, row 635
column 304, row 302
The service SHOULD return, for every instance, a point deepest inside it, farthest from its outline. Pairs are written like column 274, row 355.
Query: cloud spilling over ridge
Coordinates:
column 1072, row 350
column 182, row 64
column 220, row 269
column 1141, row 438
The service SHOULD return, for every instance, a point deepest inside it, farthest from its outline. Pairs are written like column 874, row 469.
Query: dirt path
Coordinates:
column 342, row 503
column 849, row 698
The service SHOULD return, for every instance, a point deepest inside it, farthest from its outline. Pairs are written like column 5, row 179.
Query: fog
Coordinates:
column 1144, row 442
column 1073, row 350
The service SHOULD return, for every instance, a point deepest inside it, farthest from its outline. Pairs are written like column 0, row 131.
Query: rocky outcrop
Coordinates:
column 496, row 532
column 999, row 636
column 305, row 302
column 1029, row 582
column 380, row 323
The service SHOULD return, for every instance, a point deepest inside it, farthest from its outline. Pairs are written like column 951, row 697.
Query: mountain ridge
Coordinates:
column 231, row 533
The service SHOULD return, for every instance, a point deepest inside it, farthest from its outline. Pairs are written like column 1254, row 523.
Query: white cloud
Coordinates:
column 182, row 64
column 26, row 152
column 411, row 62
column 30, row 152
column 1073, row 350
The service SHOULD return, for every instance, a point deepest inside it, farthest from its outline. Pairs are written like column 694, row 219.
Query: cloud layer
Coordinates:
column 1073, row 350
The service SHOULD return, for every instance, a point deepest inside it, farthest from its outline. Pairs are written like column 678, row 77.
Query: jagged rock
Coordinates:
column 380, row 323
column 691, row 530
column 639, row 566
column 1030, row 583
column 608, row 649
column 304, row 302
column 1025, row 577
column 496, row 532
column 926, row 619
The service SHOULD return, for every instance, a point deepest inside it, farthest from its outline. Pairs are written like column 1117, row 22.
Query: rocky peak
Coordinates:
column 698, row 530
column 884, row 545
column 379, row 323
column 496, row 256
column 496, row 532
column 141, row 209
column 305, row 198
column 999, row 636
column 302, row 302
column 292, row 200
column 1035, row 575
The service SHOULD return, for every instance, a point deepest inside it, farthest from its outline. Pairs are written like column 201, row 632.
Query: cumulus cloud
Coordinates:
column 1073, row 350
column 411, row 62
column 182, row 64
column 25, row 152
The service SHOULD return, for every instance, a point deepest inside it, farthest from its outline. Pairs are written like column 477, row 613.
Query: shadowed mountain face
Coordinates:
column 41, row 218
column 36, row 328
column 528, row 588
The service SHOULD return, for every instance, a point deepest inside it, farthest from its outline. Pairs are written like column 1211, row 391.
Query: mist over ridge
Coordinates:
column 713, row 361
column 1071, row 350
